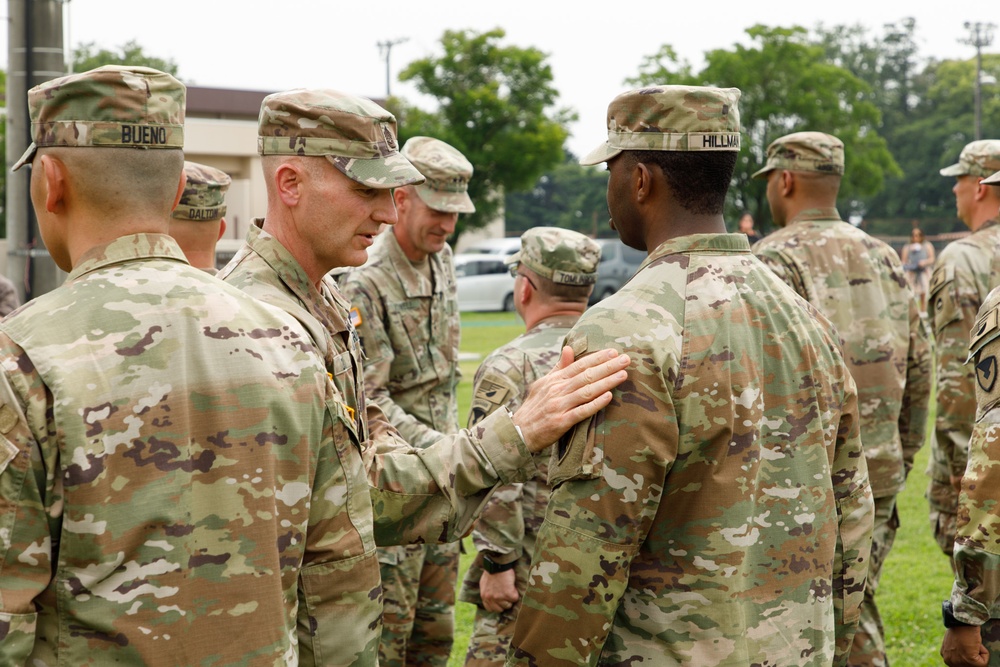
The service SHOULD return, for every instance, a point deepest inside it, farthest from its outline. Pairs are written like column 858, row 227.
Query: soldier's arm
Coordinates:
column 855, row 508
column 371, row 320
column 585, row 548
column 434, row 494
column 782, row 266
column 917, row 393
column 977, row 554
column 27, row 494
column 500, row 528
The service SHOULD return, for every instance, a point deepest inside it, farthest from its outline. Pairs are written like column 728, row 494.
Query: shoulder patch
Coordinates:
column 355, row 317
column 489, row 395
column 987, row 328
column 579, row 345
column 942, row 275
column 986, row 372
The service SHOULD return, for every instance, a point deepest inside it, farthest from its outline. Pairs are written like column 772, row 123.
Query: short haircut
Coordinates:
column 699, row 180
column 124, row 181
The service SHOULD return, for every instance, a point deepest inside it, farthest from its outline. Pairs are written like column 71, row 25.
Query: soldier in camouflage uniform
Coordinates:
column 199, row 220
column 168, row 473
column 858, row 282
column 964, row 273
column 8, row 296
column 554, row 274
column 972, row 615
column 330, row 161
column 718, row 512
column 405, row 308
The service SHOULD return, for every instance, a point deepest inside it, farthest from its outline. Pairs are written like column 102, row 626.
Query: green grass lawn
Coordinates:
column 916, row 576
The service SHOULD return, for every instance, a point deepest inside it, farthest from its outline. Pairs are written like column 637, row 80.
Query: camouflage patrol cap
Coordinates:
column 671, row 118
column 447, row 173
column 561, row 255
column 979, row 158
column 805, row 151
column 204, row 196
column 112, row 106
column 355, row 134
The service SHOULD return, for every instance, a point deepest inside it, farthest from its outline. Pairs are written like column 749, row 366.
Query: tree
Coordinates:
column 87, row 56
column 495, row 104
column 569, row 196
column 788, row 86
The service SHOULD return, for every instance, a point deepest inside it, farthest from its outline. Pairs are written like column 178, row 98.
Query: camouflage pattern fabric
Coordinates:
column 113, row 106
column 718, row 511
column 410, row 327
column 560, row 255
column 9, row 300
column 671, row 118
column 204, row 194
column 858, row 282
column 868, row 648
column 511, row 519
column 356, row 135
column 813, row 152
column 447, row 172
column 976, row 593
column 980, row 158
column 417, row 495
column 964, row 273
column 169, row 476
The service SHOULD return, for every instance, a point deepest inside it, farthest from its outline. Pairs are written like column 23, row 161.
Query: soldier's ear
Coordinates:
column 787, row 183
column 54, row 175
column 180, row 190
column 288, row 183
column 642, row 181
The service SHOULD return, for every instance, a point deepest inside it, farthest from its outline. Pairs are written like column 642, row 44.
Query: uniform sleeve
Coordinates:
column 783, row 267
column 953, row 304
column 500, row 528
column 917, row 392
column 28, row 502
column 976, row 591
column 435, row 493
column 589, row 539
column 855, row 518
column 371, row 321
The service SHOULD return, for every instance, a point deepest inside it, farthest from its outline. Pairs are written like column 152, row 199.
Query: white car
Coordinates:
column 504, row 247
column 484, row 282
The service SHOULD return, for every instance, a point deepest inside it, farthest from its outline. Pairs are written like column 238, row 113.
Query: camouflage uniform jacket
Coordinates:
column 510, row 521
column 858, row 282
column 718, row 511
column 429, row 495
column 162, row 485
column 964, row 273
column 409, row 329
column 976, row 593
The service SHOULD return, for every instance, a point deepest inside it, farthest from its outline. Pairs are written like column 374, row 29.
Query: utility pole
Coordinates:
column 384, row 50
column 980, row 35
column 34, row 55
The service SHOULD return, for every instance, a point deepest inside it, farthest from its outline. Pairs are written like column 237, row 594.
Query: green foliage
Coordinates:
column 87, row 56
column 569, row 196
column 495, row 104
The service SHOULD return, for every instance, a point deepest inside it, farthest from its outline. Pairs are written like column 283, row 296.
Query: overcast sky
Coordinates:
column 592, row 46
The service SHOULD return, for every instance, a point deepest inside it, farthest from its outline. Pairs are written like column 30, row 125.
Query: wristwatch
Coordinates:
column 947, row 611
column 493, row 567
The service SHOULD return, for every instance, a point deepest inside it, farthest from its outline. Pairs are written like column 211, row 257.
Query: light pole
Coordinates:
column 980, row 35
column 384, row 50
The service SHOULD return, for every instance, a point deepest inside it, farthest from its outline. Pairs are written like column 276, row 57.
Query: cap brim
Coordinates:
column 955, row 170
column 382, row 172
column 448, row 202
column 762, row 173
column 992, row 180
column 602, row 153
column 28, row 156
column 513, row 259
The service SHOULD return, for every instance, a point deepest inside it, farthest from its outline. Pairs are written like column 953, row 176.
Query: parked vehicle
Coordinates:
column 503, row 247
column 618, row 264
column 484, row 282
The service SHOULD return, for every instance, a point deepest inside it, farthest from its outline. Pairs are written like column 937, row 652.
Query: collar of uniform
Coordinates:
column 822, row 214
column 281, row 261
column 127, row 248
column 992, row 222
column 556, row 321
column 711, row 244
column 414, row 283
